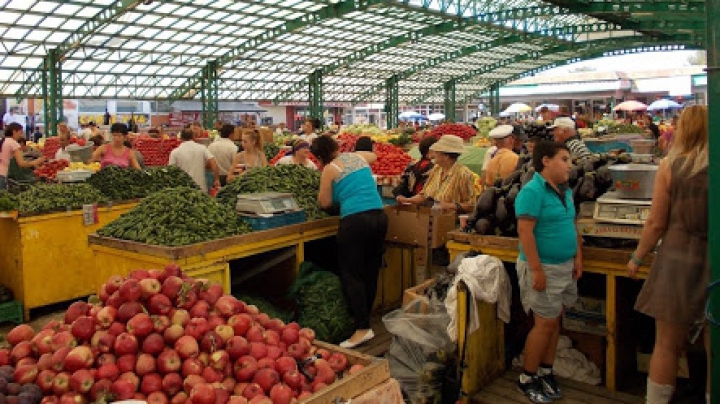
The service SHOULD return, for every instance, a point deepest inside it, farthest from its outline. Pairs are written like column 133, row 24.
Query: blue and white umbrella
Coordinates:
column 663, row 105
column 410, row 115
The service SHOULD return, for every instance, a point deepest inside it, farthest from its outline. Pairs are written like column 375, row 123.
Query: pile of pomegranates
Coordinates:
column 163, row 337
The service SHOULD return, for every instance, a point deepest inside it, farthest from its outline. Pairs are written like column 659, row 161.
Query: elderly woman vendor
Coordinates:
column 451, row 185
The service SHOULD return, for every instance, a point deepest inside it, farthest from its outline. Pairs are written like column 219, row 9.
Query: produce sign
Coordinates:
column 466, row 132
column 175, row 217
column 44, row 198
column 303, row 183
column 122, row 184
column 49, row 169
column 159, row 336
column 156, row 152
column 391, row 160
column 282, row 153
column 495, row 210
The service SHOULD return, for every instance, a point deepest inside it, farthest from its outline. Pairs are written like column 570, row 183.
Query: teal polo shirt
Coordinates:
column 554, row 214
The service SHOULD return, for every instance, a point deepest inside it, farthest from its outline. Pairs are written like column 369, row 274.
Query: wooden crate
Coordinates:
column 376, row 372
column 417, row 292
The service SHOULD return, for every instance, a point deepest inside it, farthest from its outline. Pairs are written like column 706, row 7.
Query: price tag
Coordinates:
column 90, row 215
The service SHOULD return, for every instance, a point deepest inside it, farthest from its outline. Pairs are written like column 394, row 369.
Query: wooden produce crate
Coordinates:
column 421, row 226
column 53, row 246
column 416, row 293
column 376, row 372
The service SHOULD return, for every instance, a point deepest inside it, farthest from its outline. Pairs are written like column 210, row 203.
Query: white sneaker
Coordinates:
column 350, row 345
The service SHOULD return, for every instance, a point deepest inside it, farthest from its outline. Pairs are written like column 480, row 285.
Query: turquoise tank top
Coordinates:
column 355, row 189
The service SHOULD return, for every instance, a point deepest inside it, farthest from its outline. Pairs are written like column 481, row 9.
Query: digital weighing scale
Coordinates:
column 266, row 203
column 611, row 209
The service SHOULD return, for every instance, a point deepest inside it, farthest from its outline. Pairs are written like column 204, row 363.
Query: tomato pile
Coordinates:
column 464, row 131
column 391, row 160
column 162, row 337
column 49, row 169
column 156, row 152
column 283, row 152
column 50, row 147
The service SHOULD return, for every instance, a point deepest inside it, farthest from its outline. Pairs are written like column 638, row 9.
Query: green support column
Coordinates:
column 495, row 99
column 52, row 92
column 315, row 95
column 449, row 88
column 498, row 105
column 209, row 94
column 392, row 103
column 713, row 75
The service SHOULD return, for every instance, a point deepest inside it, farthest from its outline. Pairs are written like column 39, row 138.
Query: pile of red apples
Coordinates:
column 162, row 337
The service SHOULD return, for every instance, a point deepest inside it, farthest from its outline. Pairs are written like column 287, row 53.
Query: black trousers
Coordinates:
column 361, row 245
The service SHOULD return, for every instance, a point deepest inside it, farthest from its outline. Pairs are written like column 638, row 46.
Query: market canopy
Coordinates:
column 266, row 50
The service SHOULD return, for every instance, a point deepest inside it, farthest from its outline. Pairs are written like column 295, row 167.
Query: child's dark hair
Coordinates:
column 324, row 147
column 545, row 148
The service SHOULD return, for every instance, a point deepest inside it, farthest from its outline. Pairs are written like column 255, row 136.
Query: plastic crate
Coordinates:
column 11, row 311
column 271, row 222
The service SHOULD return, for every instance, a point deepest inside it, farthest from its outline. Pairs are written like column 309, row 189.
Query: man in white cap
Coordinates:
column 505, row 159
column 564, row 132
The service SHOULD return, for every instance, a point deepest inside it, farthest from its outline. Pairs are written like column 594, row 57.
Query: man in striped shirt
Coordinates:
column 564, row 132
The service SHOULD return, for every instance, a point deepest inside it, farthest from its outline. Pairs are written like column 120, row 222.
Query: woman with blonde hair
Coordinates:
column 251, row 157
column 674, row 293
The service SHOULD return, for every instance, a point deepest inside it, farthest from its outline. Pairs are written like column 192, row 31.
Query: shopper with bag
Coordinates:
column 348, row 182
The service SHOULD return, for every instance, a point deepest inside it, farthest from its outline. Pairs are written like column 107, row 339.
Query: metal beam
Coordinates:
column 392, row 105
column 613, row 43
column 449, row 88
column 52, row 92
column 315, row 95
column 92, row 25
column 209, row 94
column 713, row 90
column 593, row 53
column 337, row 10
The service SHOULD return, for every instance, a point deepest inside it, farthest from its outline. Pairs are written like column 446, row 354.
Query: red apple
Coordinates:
column 245, row 368
column 82, row 381
column 187, row 299
column 76, row 310
column 157, row 397
column 290, row 336
column 42, row 342
column 228, row 305
column 45, row 362
column 25, row 374
column 255, row 333
column 115, row 300
column 45, row 379
column 215, row 320
column 324, row 353
column 160, row 323
column 172, row 383
column 105, row 358
column 258, row 350
column 293, row 378
column 211, row 342
column 180, row 398
column 153, row 344
column 116, row 328
column 318, row 386
column 50, row 400
column 106, row 316
column 103, row 341
column 72, row 398
column 192, row 381
column 252, row 310
column 80, row 357
column 222, row 396
column 252, row 390
column 308, row 334
column 130, row 290
column 128, row 310
column 114, row 283
column 296, row 351
column 266, row 363
column 151, row 382
column 141, row 325
column 149, row 287
column 126, row 363
column 285, row 364
column 122, row 389
column 103, row 295
column 171, row 287
column 108, row 371
column 22, row 350
column 192, row 366
column 172, row 269
column 145, row 364
column 281, row 394
column 240, row 323
column 237, row 346
column 200, row 309
column 125, row 343
column 59, row 357
column 168, row 362
column 101, row 390
column 180, row 316
column 266, row 378
column 159, row 304
column 203, row 394
column 63, row 339
column 196, row 328
column 139, row 274
column 20, row 333
column 61, row 384
column 219, row 359
column 229, row 383
column 155, row 274
column 132, row 378
column 212, row 375
column 274, row 352
column 232, row 400
column 187, row 347
column 338, row 362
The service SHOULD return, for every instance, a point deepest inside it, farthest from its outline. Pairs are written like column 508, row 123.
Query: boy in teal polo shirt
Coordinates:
column 549, row 264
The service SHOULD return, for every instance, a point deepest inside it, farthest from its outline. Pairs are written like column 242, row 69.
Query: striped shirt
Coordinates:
column 577, row 148
column 456, row 185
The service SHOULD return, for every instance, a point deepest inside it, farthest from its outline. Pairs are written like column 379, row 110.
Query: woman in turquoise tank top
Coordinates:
column 347, row 181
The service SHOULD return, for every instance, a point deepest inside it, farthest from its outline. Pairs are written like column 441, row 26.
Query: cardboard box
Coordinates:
column 643, row 365
column 416, row 296
column 421, row 226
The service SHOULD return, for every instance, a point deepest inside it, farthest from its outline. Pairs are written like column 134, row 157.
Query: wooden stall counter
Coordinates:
column 612, row 263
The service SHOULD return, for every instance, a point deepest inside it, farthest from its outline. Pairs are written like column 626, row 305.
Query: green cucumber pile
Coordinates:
column 175, row 217
column 121, row 184
column 303, row 183
column 271, row 150
column 8, row 201
column 46, row 198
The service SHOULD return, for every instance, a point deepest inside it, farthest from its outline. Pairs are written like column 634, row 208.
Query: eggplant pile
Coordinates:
column 539, row 130
column 494, row 213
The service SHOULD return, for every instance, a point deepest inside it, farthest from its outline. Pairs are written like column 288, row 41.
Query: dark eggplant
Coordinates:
column 501, row 211
column 603, row 175
column 513, row 178
column 588, row 190
column 588, row 166
column 573, row 173
column 486, row 202
column 483, row 226
column 513, row 193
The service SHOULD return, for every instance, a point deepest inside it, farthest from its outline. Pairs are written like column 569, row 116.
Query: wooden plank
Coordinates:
column 586, row 389
column 488, row 397
column 570, row 396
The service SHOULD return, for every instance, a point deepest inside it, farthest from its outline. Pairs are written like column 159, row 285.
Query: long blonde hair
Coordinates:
column 691, row 140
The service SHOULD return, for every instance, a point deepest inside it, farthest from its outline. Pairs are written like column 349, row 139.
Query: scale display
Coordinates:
column 622, row 211
column 266, row 203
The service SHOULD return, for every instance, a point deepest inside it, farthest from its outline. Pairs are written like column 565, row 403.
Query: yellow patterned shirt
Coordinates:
column 455, row 185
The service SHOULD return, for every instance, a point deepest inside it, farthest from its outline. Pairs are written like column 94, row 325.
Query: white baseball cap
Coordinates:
column 563, row 122
column 501, row 131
